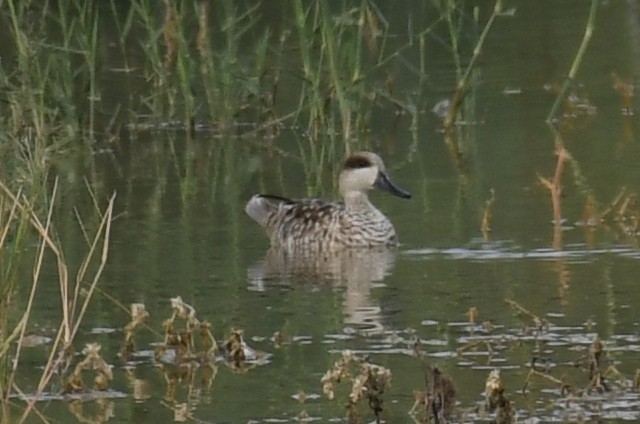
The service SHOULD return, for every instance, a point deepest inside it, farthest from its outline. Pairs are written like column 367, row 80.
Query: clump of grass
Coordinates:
column 368, row 381
column 335, row 96
column 50, row 89
column 24, row 222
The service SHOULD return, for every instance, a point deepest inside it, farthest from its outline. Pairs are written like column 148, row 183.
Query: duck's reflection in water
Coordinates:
column 357, row 270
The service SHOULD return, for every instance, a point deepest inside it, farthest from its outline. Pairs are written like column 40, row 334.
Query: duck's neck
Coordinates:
column 357, row 200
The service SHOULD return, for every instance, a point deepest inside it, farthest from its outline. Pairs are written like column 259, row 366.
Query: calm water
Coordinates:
column 181, row 230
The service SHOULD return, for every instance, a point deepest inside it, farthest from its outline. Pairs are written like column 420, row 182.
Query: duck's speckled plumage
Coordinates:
column 320, row 224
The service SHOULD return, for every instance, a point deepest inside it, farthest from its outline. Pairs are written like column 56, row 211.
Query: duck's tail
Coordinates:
column 261, row 206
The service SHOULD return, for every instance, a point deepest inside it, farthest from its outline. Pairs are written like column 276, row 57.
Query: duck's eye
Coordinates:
column 357, row 162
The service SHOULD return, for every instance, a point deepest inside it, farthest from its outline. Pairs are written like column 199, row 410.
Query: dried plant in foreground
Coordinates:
column 236, row 351
column 139, row 317
column 92, row 361
column 368, row 381
column 487, row 215
column 496, row 401
column 555, row 188
column 593, row 361
column 624, row 212
column 438, row 401
column 565, row 387
column 441, row 396
column 181, row 339
column 540, row 324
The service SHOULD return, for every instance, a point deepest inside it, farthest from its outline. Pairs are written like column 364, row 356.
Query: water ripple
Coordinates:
column 506, row 251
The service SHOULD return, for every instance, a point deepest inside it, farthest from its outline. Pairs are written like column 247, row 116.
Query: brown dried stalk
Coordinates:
column 540, row 323
column 485, row 225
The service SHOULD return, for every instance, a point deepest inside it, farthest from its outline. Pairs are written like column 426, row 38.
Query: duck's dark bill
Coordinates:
column 384, row 183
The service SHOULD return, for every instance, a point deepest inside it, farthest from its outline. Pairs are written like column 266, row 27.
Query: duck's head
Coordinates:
column 363, row 171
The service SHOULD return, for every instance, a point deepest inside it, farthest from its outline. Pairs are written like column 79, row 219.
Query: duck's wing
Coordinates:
column 262, row 206
column 287, row 218
column 303, row 221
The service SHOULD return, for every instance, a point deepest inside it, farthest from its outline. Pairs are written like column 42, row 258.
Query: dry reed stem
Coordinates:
column 555, row 185
column 12, row 215
column 539, row 322
column 23, row 395
column 487, row 214
column 555, row 188
column 34, row 285
column 170, row 38
column 564, row 387
column 66, row 332
column 474, row 344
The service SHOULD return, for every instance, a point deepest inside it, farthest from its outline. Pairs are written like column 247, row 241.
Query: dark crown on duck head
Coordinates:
column 357, row 161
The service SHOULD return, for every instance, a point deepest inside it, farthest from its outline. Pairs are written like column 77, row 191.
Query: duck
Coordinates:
column 317, row 224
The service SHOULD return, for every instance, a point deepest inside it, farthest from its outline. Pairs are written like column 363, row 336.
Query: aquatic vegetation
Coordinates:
column 92, row 361
column 485, row 223
column 577, row 62
column 368, row 381
column 438, row 402
column 625, row 89
column 495, row 400
column 113, row 94
column 598, row 373
column 139, row 317
column 23, row 225
column 182, row 341
column 464, row 79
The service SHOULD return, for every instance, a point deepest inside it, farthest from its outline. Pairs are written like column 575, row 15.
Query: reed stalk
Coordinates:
column 463, row 82
column 72, row 307
column 577, row 61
